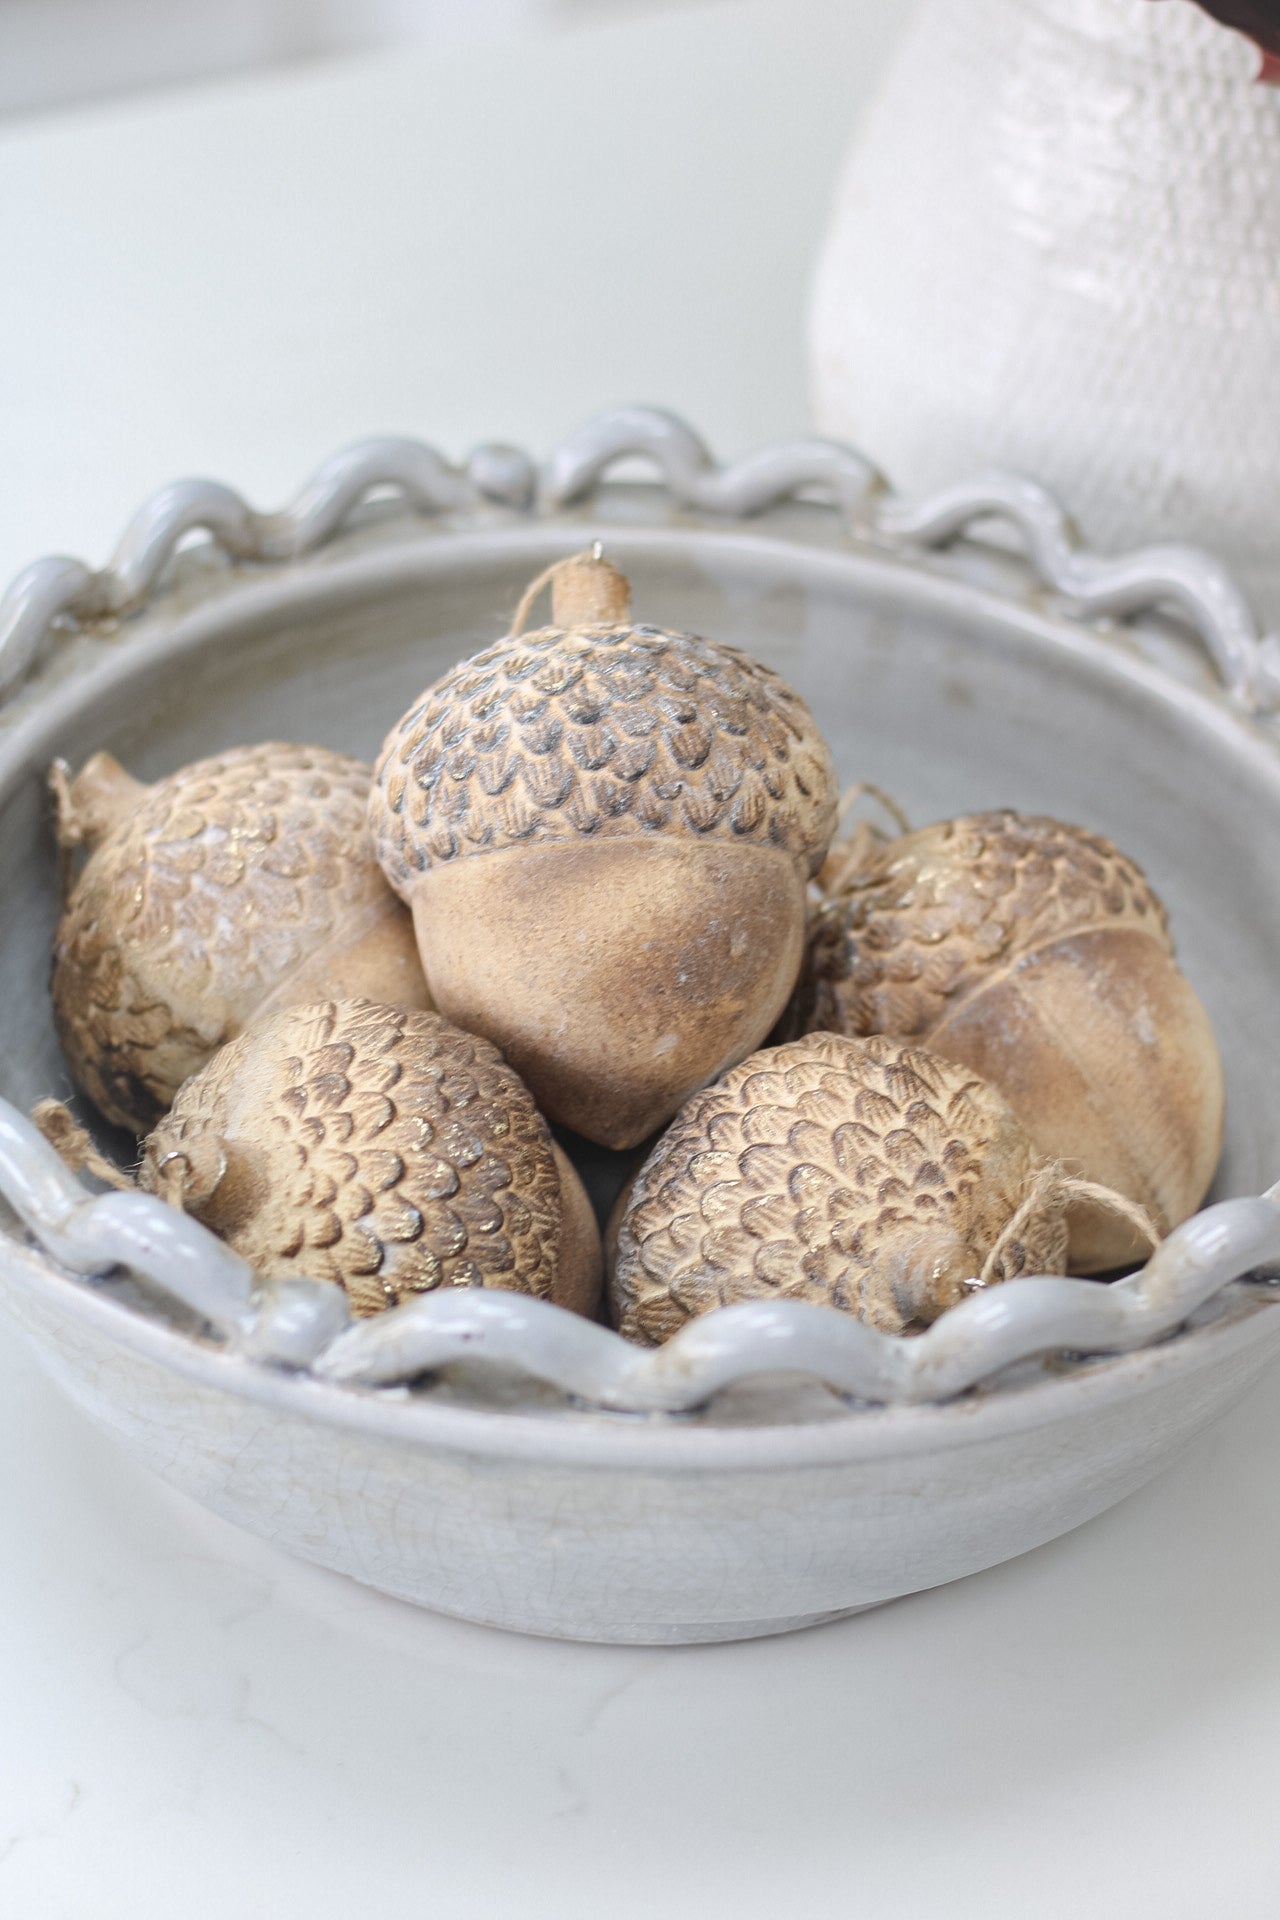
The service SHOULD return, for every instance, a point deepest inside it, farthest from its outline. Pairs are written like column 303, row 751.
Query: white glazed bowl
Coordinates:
column 647, row 1503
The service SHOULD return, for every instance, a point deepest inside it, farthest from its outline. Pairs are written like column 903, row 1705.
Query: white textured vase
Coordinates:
column 1056, row 246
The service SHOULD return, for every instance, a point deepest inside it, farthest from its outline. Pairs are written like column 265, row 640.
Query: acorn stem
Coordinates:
column 586, row 591
column 92, row 802
column 189, row 1176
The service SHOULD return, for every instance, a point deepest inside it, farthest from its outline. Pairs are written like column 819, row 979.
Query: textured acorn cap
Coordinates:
column 932, row 913
column 235, row 884
column 380, row 1148
column 859, row 1174
column 596, row 733
column 604, row 831
column 1037, row 954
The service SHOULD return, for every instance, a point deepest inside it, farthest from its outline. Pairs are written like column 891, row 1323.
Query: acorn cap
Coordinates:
column 381, row 1148
column 601, row 730
column 206, row 896
column 860, row 1174
column 934, row 913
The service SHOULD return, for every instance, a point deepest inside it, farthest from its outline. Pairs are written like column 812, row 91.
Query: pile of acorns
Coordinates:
column 613, row 848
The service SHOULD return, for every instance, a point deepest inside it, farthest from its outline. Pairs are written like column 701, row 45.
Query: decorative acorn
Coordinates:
column 380, row 1148
column 1037, row 955
column 604, row 832
column 236, row 885
column 860, row 1174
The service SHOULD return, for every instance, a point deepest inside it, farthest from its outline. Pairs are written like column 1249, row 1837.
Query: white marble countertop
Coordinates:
column 499, row 242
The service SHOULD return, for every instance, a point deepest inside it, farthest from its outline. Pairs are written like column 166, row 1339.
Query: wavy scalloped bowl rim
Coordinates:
column 660, row 1441
column 1201, row 588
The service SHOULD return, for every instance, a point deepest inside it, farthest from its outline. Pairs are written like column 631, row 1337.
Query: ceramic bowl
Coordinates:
column 778, row 1464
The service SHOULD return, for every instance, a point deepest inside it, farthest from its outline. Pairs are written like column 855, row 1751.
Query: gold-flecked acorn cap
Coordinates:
column 235, row 883
column 859, row 1174
column 602, row 731
column 1037, row 955
column 936, row 910
column 380, row 1148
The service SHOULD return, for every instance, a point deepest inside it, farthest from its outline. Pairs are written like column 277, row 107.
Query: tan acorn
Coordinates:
column 380, row 1148
column 238, row 884
column 1037, row 955
column 859, row 1174
column 604, row 831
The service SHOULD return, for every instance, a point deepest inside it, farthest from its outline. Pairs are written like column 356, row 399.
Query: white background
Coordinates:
column 498, row 240
column 55, row 51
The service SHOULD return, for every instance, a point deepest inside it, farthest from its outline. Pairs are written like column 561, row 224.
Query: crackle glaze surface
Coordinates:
column 656, row 1540
column 949, row 682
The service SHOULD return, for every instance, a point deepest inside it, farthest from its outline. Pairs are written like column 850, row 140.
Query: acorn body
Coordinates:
column 238, row 884
column 1038, row 955
column 383, row 1149
column 617, row 976
column 859, row 1174
column 604, row 832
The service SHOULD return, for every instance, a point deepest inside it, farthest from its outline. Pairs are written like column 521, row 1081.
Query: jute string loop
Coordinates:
column 849, row 856
column 1053, row 1185
column 74, row 1147
column 177, row 1178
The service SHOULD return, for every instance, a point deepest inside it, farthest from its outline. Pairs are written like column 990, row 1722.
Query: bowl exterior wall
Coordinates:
column 598, row 1552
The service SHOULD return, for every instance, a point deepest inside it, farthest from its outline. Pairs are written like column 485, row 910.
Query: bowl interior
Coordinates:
column 946, row 698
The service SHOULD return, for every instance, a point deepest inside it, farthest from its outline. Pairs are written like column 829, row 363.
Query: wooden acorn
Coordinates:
column 381, row 1148
column 860, row 1174
column 239, row 884
column 604, row 832
column 1037, row 955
